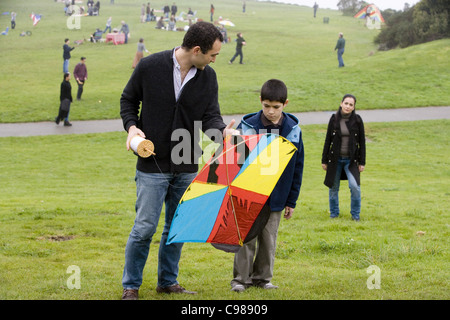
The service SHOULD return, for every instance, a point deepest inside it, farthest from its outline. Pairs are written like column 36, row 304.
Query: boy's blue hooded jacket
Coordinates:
column 287, row 189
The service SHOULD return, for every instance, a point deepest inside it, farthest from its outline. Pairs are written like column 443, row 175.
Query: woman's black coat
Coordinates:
column 332, row 147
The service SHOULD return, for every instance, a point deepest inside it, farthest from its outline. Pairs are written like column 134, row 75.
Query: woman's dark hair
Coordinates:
column 274, row 90
column 202, row 34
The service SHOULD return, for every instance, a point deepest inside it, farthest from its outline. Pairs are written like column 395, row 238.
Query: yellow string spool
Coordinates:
column 142, row 147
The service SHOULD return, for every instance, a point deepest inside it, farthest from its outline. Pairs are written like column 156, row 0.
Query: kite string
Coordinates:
column 232, row 204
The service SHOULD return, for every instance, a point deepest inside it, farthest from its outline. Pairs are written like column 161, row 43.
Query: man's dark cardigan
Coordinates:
column 152, row 84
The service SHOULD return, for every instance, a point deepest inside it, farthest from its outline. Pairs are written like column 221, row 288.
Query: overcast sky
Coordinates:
column 332, row 4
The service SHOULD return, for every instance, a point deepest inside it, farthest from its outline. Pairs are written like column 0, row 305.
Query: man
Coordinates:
column 126, row 30
column 340, row 46
column 176, row 88
column 174, row 9
column 80, row 74
column 66, row 55
column 240, row 41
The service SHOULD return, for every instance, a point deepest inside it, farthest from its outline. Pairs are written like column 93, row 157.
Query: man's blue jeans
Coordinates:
column 340, row 52
column 154, row 190
column 66, row 66
column 355, row 191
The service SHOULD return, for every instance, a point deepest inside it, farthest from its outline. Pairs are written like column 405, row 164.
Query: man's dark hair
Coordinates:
column 274, row 90
column 66, row 39
column 202, row 34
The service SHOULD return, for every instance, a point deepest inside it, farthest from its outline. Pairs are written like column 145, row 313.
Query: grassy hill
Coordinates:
column 283, row 41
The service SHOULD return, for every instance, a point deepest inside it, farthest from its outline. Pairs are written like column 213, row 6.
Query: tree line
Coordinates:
column 426, row 21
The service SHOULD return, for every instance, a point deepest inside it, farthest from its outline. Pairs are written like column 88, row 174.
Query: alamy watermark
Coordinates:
column 74, row 20
column 74, row 281
column 182, row 152
column 374, row 280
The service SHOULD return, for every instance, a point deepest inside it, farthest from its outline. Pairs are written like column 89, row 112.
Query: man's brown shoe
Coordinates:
column 176, row 288
column 130, row 294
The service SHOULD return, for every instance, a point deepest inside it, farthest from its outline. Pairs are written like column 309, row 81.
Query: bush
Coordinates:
column 426, row 21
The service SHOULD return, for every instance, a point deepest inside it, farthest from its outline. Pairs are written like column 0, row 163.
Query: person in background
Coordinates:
column 65, row 98
column 66, row 55
column 108, row 25
column 240, row 42
column 340, row 47
column 13, row 20
column 126, row 30
column 139, row 53
column 80, row 73
column 344, row 155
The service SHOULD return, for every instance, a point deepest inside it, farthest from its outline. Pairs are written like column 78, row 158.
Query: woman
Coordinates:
column 65, row 99
column 139, row 53
column 344, row 155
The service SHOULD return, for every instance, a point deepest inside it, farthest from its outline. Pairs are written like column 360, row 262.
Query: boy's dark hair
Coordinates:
column 66, row 75
column 66, row 39
column 202, row 34
column 274, row 90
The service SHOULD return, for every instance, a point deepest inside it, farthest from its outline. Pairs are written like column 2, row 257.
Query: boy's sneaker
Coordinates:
column 238, row 288
column 269, row 286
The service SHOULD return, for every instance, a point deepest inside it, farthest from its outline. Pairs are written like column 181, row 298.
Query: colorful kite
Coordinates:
column 36, row 18
column 225, row 205
column 370, row 11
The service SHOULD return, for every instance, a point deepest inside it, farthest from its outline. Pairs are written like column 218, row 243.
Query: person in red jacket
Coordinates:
column 80, row 73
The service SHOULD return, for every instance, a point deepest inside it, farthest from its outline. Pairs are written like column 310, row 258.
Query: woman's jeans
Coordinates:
column 154, row 190
column 355, row 191
column 340, row 52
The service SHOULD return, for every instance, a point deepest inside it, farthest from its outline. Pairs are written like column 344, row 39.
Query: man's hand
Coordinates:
column 228, row 131
column 133, row 131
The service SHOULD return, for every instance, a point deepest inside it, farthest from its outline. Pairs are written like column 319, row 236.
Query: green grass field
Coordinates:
column 69, row 200
column 284, row 41
column 81, row 189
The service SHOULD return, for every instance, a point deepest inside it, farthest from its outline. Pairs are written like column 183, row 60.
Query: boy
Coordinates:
column 257, row 270
column 240, row 41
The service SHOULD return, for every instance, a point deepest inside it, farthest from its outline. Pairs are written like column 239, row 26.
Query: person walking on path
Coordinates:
column 65, row 98
column 176, row 89
column 240, row 41
column 344, row 155
column 340, row 47
column 80, row 73
column 66, row 55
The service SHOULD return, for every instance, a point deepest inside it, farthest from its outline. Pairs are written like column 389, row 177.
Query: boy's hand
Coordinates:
column 288, row 211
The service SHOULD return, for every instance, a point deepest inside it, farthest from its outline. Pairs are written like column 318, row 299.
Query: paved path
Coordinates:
column 97, row 126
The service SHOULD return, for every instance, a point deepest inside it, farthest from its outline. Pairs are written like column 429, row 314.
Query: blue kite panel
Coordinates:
column 195, row 218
